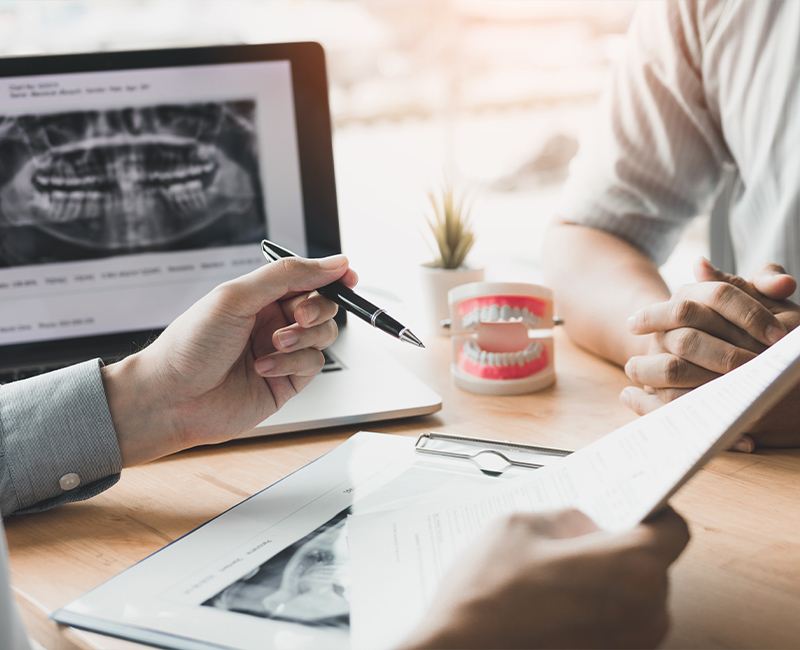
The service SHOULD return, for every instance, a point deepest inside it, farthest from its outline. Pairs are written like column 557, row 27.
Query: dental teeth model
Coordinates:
column 502, row 337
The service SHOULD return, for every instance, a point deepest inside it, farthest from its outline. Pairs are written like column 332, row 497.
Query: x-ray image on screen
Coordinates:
column 305, row 583
column 91, row 184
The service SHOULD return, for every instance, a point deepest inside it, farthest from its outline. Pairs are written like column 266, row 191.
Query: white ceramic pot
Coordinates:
column 436, row 283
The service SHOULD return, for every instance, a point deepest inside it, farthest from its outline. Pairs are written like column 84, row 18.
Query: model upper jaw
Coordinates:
column 495, row 309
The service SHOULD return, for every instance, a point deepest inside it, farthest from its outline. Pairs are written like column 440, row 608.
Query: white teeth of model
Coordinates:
column 505, row 312
column 491, row 359
column 533, row 351
column 515, row 312
column 494, row 313
column 483, row 356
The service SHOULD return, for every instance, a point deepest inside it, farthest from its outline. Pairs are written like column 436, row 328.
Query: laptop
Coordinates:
column 133, row 182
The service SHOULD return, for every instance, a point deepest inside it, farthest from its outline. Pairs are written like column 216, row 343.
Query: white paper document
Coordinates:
column 398, row 557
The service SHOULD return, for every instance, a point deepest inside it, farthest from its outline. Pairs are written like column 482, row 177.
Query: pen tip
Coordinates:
column 408, row 336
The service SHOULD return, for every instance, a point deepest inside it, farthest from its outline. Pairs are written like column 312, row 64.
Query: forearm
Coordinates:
column 599, row 281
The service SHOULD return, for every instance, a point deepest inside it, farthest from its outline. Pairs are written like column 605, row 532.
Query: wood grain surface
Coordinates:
column 737, row 586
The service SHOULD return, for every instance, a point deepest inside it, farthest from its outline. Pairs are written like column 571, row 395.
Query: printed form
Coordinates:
column 398, row 557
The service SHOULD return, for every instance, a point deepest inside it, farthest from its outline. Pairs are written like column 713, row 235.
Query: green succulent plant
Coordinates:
column 451, row 228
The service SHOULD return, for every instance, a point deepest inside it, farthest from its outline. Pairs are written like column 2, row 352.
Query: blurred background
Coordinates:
column 492, row 94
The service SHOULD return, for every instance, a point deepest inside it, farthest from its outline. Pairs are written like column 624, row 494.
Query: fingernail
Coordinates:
column 333, row 262
column 287, row 338
column 775, row 333
column 264, row 366
column 310, row 312
column 632, row 320
column 745, row 445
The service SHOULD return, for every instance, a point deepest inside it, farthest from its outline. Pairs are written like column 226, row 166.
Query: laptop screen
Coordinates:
column 126, row 195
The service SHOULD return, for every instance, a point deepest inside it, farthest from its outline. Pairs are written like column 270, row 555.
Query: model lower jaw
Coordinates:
column 502, row 365
column 499, row 379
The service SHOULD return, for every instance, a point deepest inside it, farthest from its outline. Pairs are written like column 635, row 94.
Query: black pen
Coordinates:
column 350, row 300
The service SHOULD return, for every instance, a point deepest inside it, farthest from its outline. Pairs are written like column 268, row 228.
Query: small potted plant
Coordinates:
column 450, row 226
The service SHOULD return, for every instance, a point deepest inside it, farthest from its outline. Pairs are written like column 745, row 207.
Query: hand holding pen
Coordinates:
column 350, row 300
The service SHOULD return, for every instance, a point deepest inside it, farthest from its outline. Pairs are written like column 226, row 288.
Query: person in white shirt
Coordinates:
column 702, row 116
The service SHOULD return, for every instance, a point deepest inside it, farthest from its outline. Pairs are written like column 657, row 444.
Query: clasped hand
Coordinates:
column 708, row 329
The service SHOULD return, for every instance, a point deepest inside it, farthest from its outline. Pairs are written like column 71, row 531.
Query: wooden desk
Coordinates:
column 738, row 585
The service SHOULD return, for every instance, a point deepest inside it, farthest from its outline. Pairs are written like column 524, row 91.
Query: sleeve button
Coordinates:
column 69, row 481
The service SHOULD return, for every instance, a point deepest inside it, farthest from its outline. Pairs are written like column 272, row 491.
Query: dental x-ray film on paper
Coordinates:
column 92, row 183
column 305, row 583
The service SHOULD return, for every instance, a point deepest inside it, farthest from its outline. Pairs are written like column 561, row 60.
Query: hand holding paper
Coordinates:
column 617, row 481
column 532, row 581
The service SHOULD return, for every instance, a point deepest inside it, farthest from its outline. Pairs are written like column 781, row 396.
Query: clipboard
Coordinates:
column 231, row 583
column 492, row 457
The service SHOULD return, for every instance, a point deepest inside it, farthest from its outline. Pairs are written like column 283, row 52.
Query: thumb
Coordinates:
column 705, row 271
column 250, row 293
column 774, row 282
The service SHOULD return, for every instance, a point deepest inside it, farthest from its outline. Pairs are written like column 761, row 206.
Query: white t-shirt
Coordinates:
column 703, row 115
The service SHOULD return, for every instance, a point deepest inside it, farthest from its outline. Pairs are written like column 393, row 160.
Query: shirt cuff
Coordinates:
column 57, row 438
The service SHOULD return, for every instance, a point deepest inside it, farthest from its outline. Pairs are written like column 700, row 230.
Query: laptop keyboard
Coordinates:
column 7, row 376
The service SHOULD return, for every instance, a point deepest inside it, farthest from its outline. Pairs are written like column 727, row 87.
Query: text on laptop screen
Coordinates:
column 127, row 195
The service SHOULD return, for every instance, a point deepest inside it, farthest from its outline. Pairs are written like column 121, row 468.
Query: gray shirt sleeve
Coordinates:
column 57, row 440
column 654, row 158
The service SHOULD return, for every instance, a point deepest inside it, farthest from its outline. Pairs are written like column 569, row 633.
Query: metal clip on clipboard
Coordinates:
column 492, row 457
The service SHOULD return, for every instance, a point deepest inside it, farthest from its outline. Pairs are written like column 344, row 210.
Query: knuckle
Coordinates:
column 732, row 358
column 775, row 268
column 288, row 266
column 331, row 333
column 684, row 311
column 674, row 370
column 739, row 282
column 723, row 294
column 685, row 341
column 226, row 293
column 753, row 317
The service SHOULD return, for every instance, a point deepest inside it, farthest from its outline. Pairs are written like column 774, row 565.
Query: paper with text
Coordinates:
column 399, row 557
